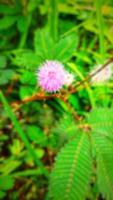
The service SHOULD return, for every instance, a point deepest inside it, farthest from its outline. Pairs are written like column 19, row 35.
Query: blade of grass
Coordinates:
column 20, row 131
column 100, row 21
column 24, row 35
column 29, row 172
column 74, row 29
column 52, row 18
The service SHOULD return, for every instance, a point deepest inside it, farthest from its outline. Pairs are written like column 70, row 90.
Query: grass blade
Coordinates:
column 20, row 131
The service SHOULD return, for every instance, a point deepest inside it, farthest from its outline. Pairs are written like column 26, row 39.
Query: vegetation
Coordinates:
column 56, row 126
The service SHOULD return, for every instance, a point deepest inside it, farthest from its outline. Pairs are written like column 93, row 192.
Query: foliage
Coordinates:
column 71, row 175
column 77, row 122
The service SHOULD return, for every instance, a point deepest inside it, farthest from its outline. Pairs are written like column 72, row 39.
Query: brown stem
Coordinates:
column 64, row 94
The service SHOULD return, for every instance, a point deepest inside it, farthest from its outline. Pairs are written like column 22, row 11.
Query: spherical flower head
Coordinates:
column 102, row 76
column 69, row 78
column 51, row 76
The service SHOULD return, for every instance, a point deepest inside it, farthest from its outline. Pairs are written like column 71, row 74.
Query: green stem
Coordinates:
column 89, row 91
column 101, row 28
column 53, row 18
column 25, row 34
column 74, row 29
column 20, row 131
column 29, row 172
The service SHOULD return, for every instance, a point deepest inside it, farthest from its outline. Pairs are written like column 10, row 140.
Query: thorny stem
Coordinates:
column 64, row 94
column 41, row 96
column 87, row 79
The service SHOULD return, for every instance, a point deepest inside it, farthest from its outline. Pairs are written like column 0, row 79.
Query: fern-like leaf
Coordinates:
column 64, row 130
column 71, row 174
column 101, row 123
column 104, row 158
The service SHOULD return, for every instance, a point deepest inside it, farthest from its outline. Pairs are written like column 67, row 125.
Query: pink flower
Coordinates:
column 51, row 76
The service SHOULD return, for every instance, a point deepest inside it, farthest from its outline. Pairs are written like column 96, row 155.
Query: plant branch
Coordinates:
column 64, row 94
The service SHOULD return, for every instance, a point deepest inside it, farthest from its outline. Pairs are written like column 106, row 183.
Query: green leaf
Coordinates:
column 6, row 182
column 64, row 130
column 104, row 158
column 25, row 91
column 9, row 166
column 43, row 44
column 26, row 58
column 36, row 135
column 71, row 174
column 7, row 21
column 89, row 25
column 65, row 47
column 32, row 5
column 74, row 101
column 3, row 61
column 39, row 152
column 2, row 194
column 101, row 121
column 16, row 147
column 22, row 23
column 10, row 9
column 6, row 75
column 3, row 79
column 28, row 78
